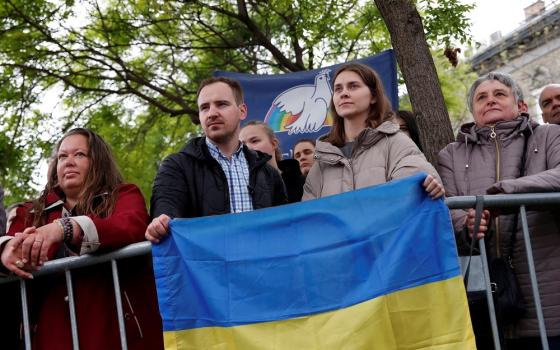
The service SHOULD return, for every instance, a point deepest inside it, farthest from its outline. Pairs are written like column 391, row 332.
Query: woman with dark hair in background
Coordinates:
column 259, row 136
column 364, row 147
column 84, row 208
column 407, row 124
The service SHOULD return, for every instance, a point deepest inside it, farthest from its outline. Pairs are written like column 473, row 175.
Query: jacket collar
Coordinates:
column 472, row 133
column 369, row 137
column 56, row 197
column 366, row 138
column 198, row 149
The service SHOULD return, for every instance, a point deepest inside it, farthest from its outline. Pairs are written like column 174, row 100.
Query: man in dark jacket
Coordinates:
column 2, row 213
column 215, row 174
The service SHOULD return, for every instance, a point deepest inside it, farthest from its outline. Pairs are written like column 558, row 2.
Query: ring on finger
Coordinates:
column 19, row 264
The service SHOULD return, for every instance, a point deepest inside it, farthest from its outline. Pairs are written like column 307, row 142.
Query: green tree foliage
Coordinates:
column 130, row 68
column 139, row 150
column 455, row 83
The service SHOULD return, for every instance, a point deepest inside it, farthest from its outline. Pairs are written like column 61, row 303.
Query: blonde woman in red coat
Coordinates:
column 85, row 208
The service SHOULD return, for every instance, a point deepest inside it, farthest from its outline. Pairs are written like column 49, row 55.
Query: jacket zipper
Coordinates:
column 352, row 172
column 498, row 178
column 330, row 158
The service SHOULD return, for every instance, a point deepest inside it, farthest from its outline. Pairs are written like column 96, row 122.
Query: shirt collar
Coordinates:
column 215, row 151
column 55, row 204
column 56, row 198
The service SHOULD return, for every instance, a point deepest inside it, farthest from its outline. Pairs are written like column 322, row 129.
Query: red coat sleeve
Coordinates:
column 23, row 220
column 127, row 224
column 18, row 224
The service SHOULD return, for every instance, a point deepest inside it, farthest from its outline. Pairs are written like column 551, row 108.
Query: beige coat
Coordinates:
column 380, row 155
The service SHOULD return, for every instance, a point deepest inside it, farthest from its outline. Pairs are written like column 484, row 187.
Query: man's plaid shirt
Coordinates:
column 237, row 174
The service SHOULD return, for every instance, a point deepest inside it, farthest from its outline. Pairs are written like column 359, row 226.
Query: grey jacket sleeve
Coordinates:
column 405, row 159
column 2, row 213
column 447, row 173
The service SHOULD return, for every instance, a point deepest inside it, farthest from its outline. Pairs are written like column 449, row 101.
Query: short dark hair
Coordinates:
column 412, row 126
column 232, row 83
column 311, row 141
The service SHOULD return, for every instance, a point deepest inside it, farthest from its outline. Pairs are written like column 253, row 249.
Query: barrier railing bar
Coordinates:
column 505, row 200
column 25, row 312
column 118, row 300
column 489, row 297
column 533, row 275
column 72, row 310
column 143, row 248
column 60, row 265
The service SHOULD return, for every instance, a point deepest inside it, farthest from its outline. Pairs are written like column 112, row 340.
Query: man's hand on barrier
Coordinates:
column 11, row 255
column 484, row 223
column 158, row 228
column 433, row 187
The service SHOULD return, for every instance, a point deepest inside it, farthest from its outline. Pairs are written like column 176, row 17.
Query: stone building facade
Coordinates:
column 531, row 54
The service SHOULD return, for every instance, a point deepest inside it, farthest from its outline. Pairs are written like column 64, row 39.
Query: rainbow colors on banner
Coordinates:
column 296, row 105
column 375, row 268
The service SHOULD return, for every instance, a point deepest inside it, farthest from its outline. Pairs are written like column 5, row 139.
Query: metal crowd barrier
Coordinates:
column 532, row 200
column 67, row 264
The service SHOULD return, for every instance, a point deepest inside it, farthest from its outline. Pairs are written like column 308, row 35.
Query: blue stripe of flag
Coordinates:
column 304, row 258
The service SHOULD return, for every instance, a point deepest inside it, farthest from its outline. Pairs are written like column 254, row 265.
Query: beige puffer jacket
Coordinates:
column 379, row 155
column 482, row 161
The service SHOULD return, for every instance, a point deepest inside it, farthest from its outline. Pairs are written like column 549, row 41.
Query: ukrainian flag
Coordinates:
column 371, row 269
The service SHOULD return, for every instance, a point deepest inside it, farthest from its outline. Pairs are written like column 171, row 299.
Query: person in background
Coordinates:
column 549, row 101
column 258, row 136
column 504, row 151
column 407, row 124
column 215, row 174
column 364, row 147
column 304, row 152
column 85, row 208
column 2, row 213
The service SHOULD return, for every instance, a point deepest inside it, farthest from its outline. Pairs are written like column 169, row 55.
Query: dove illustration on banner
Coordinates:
column 302, row 108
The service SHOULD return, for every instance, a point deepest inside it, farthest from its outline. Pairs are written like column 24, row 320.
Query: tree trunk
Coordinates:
column 419, row 72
